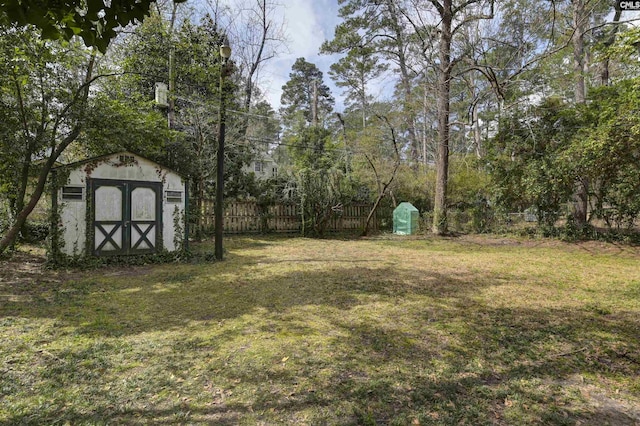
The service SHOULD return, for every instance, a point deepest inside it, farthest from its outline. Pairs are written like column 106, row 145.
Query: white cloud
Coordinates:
column 308, row 24
column 304, row 27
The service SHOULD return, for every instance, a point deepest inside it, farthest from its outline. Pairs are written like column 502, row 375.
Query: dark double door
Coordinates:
column 126, row 217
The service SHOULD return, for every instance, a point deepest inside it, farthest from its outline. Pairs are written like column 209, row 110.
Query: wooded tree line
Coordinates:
column 491, row 103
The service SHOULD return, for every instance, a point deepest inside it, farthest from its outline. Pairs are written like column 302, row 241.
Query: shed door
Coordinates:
column 127, row 217
column 145, row 216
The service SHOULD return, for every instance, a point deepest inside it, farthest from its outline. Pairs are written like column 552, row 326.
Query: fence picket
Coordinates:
column 245, row 217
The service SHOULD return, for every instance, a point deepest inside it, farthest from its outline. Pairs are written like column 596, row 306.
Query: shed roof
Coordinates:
column 105, row 156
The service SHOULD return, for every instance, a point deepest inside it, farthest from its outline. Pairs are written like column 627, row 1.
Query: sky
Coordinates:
column 308, row 23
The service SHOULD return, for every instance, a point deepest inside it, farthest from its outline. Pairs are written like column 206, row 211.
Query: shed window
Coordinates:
column 73, row 193
column 173, row 196
column 258, row 166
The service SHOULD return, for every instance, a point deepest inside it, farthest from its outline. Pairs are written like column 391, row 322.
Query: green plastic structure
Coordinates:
column 405, row 219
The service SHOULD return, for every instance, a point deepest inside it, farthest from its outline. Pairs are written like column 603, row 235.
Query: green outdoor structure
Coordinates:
column 405, row 219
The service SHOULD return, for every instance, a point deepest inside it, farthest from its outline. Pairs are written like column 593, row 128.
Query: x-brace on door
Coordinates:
column 127, row 216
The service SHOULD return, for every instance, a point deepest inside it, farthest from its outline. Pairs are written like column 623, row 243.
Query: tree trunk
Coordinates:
column 580, row 199
column 248, row 88
column 477, row 133
column 405, row 82
column 200, row 207
column 611, row 38
column 9, row 238
column 365, row 231
column 18, row 204
column 383, row 187
column 439, row 226
column 579, row 21
column 425, row 126
column 24, row 182
column 314, row 103
column 83, row 93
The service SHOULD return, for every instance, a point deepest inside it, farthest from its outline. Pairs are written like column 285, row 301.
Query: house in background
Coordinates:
column 263, row 166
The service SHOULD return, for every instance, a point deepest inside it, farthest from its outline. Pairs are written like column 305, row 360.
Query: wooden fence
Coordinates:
column 242, row 217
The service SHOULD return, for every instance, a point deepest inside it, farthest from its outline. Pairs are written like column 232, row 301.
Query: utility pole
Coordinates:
column 171, row 118
column 171, row 110
column 225, row 53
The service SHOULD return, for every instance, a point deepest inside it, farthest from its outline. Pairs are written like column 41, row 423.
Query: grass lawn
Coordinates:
column 469, row 330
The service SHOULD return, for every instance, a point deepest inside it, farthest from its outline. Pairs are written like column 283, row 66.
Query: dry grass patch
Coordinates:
column 473, row 330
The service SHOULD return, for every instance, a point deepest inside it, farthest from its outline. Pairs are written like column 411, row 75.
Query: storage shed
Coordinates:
column 405, row 219
column 117, row 204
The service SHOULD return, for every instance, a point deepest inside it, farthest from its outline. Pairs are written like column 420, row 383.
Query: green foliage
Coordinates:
column 623, row 51
column 312, row 147
column 322, row 193
column 321, row 185
column 268, row 192
column 263, row 126
column 63, row 261
column 356, row 70
column 372, row 156
column 468, row 196
column 143, row 59
column 607, row 152
column 416, row 187
column 468, row 182
column 12, row 155
column 43, row 107
column 525, row 162
column 140, row 129
column 35, row 232
column 93, row 20
column 535, row 160
column 298, row 93
column 191, row 146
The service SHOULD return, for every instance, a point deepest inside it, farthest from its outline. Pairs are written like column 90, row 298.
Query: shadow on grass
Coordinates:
column 148, row 299
column 457, row 359
column 494, row 370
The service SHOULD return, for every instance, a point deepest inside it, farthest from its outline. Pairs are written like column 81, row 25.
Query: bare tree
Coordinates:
column 382, row 175
column 257, row 34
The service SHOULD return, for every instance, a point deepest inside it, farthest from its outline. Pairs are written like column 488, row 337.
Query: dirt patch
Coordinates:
column 23, row 267
column 25, row 272
column 603, row 408
column 23, row 276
